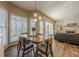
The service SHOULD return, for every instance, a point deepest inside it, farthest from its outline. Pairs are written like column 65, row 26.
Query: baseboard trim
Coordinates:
column 11, row 44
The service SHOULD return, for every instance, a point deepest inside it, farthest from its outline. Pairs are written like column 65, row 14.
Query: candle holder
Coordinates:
column 33, row 29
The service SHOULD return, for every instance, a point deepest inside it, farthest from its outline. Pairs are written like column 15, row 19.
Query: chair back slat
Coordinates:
column 22, row 41
column 24, row 45
column 48, row 41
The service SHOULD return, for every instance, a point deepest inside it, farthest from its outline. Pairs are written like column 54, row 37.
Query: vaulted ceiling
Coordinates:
column 57, row 10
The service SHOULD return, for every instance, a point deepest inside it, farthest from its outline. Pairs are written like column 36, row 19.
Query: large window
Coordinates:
column 18, row 26
column 32, row 25
column 3, row 25
column 41, row 27
column 48, row 29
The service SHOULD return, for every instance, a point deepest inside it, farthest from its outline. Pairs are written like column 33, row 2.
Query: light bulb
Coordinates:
column 39, row 17
column 35, row 14
column 35, row 20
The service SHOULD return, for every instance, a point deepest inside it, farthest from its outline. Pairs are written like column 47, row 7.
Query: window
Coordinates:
column 3, row 26
column 48, row 29
column 32, row 24
column 18, row 25
column 41, row 26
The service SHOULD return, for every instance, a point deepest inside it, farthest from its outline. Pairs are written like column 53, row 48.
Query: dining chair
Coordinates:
column 44, row 49
column 25, row 46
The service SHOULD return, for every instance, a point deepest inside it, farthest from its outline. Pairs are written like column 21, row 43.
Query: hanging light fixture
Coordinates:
column 36, row 15
column 39, row 17
column 39, row 11
column 35, row 19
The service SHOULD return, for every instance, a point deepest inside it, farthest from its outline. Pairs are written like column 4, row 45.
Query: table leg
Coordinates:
column 37, row 50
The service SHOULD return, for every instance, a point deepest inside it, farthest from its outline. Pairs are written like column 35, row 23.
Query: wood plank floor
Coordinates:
column 59, row 50
column 12, row 52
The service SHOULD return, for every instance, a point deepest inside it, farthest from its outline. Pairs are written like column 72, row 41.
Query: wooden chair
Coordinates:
column 45, row 48
column 25, row 46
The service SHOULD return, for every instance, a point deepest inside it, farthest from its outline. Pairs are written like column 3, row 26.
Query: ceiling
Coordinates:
column 57, row 10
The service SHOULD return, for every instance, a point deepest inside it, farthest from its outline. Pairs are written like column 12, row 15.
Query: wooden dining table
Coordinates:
column 36, row 42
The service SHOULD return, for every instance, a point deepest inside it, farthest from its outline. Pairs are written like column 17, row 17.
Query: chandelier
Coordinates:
column 37, row 16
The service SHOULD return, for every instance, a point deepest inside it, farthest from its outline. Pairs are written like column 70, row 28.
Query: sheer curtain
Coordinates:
column 41, row 27
column 32, row 24
column 18, row 25
column 48, row 29
column 4, row 26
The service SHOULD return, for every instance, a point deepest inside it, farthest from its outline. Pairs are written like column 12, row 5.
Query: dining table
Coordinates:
column 36, row 40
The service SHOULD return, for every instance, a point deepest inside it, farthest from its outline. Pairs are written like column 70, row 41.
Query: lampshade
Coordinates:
column 39, row 17
column 35, row 14
column 35, row 19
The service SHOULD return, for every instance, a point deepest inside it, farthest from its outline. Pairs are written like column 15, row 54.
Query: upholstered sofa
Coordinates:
column 72, row 38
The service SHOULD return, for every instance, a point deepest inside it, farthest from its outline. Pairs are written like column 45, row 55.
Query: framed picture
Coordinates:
column 71, row 24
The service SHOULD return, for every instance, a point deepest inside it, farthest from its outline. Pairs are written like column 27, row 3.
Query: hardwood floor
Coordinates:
column 12, row 52
column 59, row 50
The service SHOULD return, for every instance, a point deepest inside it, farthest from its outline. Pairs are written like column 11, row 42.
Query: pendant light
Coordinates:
column 35, row 19
column 36, row 14
column 39, row 17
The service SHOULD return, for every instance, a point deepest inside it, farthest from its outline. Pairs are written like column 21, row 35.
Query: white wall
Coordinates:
column 58, row 26
column 63, row 23
column 72, row 28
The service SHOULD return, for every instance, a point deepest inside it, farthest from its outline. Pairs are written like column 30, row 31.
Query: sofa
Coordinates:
column 72, row 38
